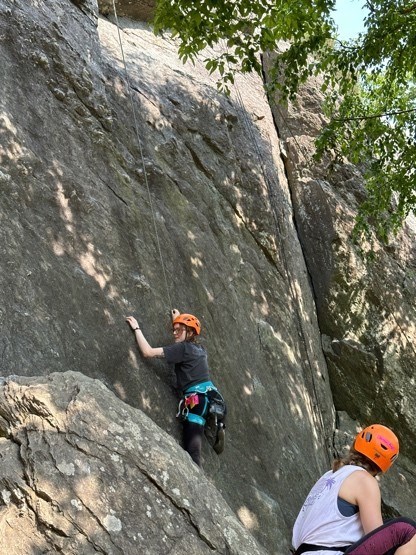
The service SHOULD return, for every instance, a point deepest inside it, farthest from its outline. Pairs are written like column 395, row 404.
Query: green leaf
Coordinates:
column 369, row 84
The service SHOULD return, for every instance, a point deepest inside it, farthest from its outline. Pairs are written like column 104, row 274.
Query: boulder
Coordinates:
column 82, row 472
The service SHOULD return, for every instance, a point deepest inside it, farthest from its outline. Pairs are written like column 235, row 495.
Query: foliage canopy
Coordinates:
column 369, row 83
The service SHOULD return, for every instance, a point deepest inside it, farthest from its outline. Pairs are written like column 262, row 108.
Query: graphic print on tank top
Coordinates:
column 315, row 494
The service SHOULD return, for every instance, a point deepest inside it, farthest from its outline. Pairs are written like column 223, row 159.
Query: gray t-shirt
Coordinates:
column 191, row 364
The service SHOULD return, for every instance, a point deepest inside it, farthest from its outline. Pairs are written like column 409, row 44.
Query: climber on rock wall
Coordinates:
column 342, row 513
column 200, row 399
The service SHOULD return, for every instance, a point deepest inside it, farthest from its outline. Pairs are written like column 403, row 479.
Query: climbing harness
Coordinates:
column 202, row 387
column 304, row 547
column 187, row 403
column 214, row 408
column 129, row 88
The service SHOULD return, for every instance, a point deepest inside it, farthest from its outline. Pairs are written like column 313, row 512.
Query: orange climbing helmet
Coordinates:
column 190, row 321
column 379, row 444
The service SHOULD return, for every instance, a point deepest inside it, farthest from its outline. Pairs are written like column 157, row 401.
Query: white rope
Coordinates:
column 142, row 158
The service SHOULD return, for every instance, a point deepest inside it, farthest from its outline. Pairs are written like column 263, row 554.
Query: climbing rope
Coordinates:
column 139, row 142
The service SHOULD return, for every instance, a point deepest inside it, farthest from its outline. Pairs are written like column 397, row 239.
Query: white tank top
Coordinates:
column 320, row 521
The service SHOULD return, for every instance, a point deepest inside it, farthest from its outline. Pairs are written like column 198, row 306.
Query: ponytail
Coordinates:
column 355, row 458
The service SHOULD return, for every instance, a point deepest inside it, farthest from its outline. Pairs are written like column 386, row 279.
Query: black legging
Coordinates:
column 193, row 432
column 192, row 440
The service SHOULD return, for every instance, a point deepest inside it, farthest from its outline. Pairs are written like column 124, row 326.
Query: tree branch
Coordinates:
column 375, row 116
column 408, row 10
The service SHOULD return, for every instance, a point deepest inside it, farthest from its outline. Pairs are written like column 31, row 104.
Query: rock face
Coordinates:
column 365, row 308
column 83, row 473
column 92, row 224
column 142, row 10
column 122, row 199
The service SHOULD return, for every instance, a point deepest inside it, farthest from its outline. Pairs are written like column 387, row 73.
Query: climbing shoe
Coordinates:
column 220, row 440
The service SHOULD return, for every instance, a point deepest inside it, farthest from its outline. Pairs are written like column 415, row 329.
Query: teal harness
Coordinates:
column 183, row 410
column 203, row 388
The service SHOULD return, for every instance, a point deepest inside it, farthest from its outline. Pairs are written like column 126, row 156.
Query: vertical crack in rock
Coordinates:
column 313, row 370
